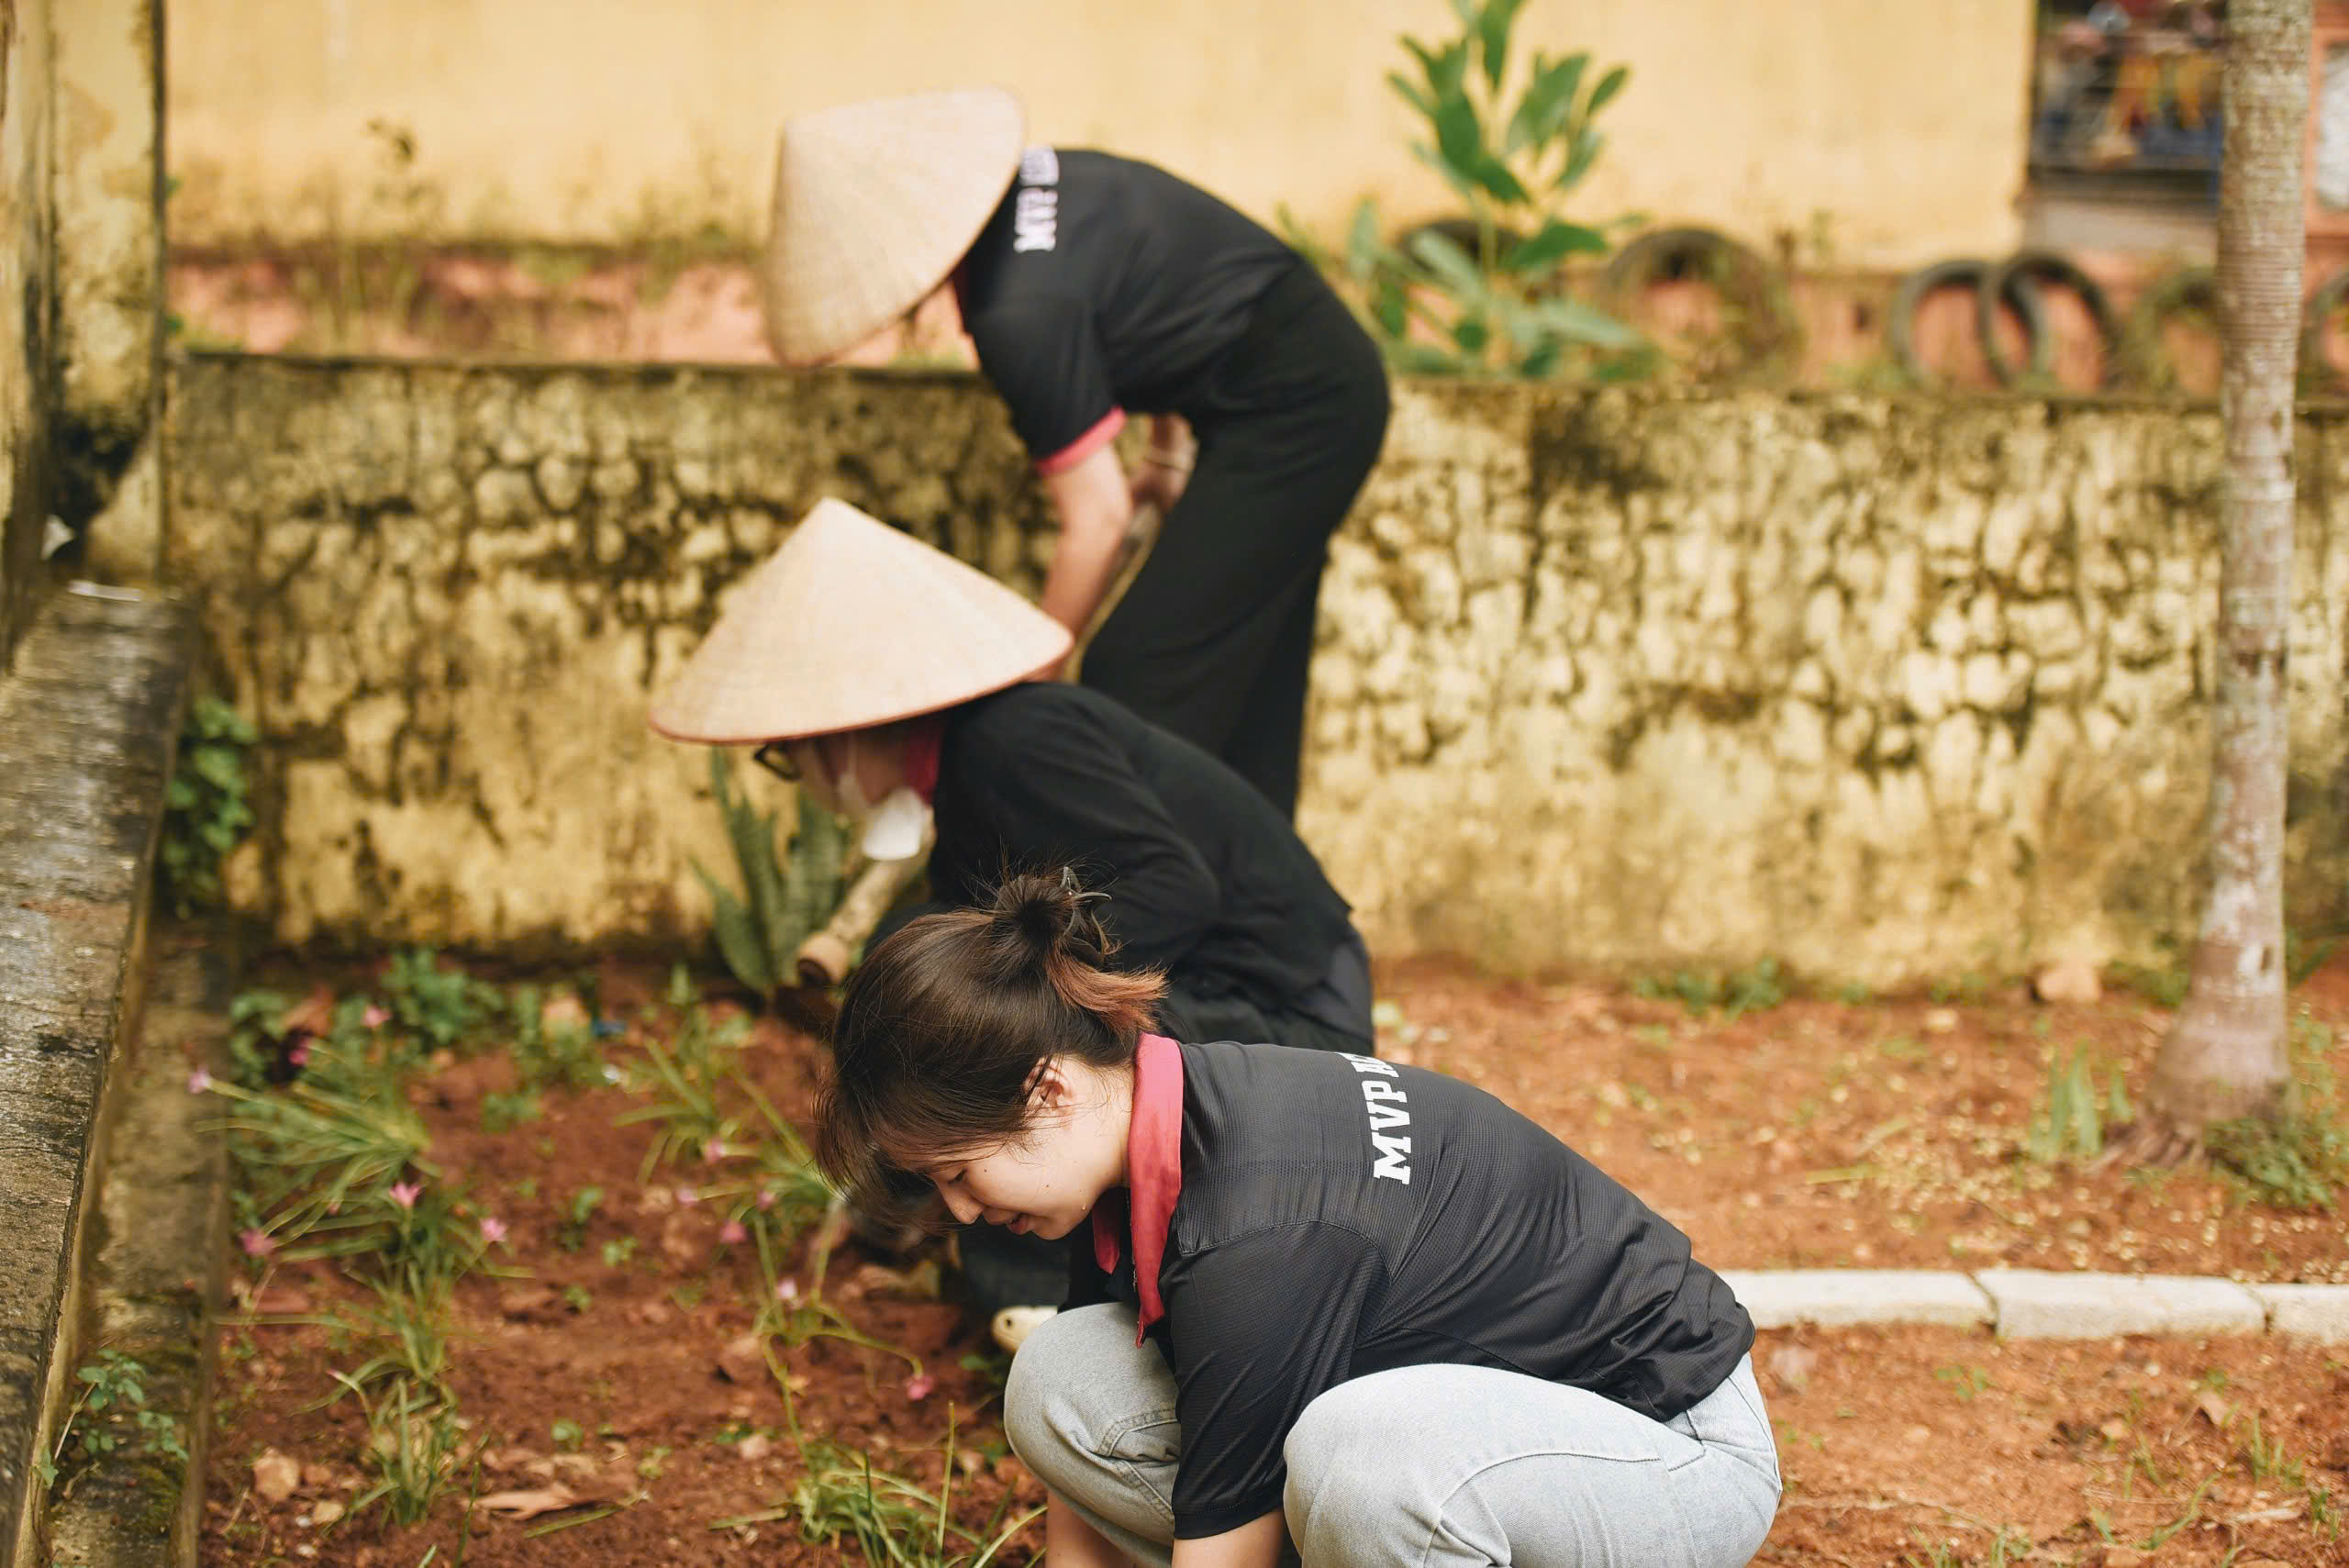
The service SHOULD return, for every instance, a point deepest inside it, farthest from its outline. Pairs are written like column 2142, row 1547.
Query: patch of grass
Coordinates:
column 504, row 1113
column 581, row 1210
column 1730, row 993
column 205, row 812
column 2299, row 1159
column 113, row 1396
column 443, row 1006
column 1967, row 1383
column 2068, row 1119
column 413, row 1442
column 2164, row 986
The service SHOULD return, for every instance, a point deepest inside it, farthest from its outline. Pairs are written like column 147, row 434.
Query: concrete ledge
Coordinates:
column 98, row 683
column 2034, row 1304
column 2318, row 1312
column 1779, row 1298
column 155, row 1286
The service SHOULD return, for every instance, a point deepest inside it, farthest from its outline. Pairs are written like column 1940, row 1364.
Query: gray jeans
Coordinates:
column 1421, row 1466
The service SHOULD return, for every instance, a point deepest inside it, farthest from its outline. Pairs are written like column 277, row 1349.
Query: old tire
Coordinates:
column 2323, row 375
column 2041, row 269
column 1960, row 272
column 2189, row 289
column 1771, row 336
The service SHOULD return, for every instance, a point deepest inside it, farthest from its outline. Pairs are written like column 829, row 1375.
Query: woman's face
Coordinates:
column 1046, row 1180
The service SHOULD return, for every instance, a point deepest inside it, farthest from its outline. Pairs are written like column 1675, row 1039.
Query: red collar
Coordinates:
column 1153, row 1173
column 925, row 741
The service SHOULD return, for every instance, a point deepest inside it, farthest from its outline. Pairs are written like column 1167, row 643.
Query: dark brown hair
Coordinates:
column 944, row 1029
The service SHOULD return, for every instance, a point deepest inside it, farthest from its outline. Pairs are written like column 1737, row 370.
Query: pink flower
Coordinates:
column 300, row 1055
column 493, row 1229
column 375, row 1018
column 919, row 1386
column 787, row 1291
column 687, row 1198
column 404, row 1194
column 712, row 1151
column 733, row 1233
column 199, row 1082
column 257, row 1243
column 766, row 1197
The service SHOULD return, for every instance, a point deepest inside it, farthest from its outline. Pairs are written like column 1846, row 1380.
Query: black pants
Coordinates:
column 1213, row 639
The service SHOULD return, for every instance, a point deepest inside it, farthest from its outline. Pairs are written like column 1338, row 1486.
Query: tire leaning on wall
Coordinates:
column 2318, row 372
column 2042, row 269
column 1771, row 337
column 2187, row 289
column 1968, row 273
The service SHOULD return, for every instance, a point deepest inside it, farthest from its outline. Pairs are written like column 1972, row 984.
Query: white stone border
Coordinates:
column 2035, row 1304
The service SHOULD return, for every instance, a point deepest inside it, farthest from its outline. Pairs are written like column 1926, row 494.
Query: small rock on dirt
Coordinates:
column 651, row 1314
column 743, row 1358
column 1792, row 1366
column 326, row 1513
column 525, row 1301
column 755, row 1446
column 280, row 1301
column 318, row 1477
column 2070, row 982
column 1941, row 1020
column 2125, row 1557
column 276, row 1475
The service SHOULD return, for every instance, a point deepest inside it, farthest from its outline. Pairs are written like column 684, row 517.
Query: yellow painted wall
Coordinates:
column 1903, row 124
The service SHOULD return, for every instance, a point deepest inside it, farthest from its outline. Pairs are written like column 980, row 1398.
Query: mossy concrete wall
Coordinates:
column 1885, row 688
column 28, row 284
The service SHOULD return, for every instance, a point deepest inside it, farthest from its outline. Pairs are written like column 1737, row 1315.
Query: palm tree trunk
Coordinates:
column 2226, row 1054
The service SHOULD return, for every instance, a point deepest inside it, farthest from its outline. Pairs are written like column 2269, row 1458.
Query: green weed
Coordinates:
column 113, row 1396
column 2299, row 1158
column 206, row 812
column 2068, row 1119
column 1730, row 993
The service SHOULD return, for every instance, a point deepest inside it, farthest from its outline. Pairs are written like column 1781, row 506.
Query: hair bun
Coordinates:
column 1051, row 914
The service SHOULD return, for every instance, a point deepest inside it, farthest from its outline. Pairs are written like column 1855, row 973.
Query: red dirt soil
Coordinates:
column 1811, row 1134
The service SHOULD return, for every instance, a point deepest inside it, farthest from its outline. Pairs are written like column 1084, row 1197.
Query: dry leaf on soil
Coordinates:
column 530, row 1504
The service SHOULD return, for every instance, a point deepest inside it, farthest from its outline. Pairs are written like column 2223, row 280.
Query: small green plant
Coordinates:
column 562, row 1052
column 783, row 901
column 1485, row 291
column 440, row 1005
column 2067, row 1118
column 1730, row 993
column 895, row 1522
column 576, row 1298
column 688, row 1076
column 1967, row 1383
column 114, row 1392
column 2299, row 1158
column 616, row 1253
column 504, row 1113
column 576, row 1217
column 206, row 812
column 414, row 1443
column 567, row 1434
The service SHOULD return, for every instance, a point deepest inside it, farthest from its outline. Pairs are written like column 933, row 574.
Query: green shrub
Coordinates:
column 206, row 814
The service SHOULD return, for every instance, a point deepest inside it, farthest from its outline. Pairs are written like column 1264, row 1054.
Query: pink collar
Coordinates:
column 925, row 741
column 1153, row 1173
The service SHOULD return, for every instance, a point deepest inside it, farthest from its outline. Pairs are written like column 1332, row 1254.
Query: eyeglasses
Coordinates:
column 775, row 758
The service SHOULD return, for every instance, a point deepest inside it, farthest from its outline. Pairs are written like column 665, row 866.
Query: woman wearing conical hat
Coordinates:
column 1095, row 286
column 889, row 681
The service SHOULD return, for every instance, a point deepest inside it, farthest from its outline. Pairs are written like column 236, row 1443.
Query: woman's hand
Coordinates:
column 1165, row 466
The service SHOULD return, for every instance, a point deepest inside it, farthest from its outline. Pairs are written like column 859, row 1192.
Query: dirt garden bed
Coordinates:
column 666, row 1360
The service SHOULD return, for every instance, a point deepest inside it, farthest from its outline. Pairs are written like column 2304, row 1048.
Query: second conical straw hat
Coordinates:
column 851, row 624
column 874, row 203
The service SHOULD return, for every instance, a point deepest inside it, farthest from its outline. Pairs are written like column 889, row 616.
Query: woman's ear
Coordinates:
column 1055, row 1089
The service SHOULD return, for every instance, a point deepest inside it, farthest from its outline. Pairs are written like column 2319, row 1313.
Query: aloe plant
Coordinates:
column 784, row 899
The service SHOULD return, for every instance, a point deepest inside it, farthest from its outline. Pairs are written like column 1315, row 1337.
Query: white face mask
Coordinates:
column 893, row 827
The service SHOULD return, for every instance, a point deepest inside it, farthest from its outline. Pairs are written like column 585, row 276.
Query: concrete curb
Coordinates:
column 2032, row 1303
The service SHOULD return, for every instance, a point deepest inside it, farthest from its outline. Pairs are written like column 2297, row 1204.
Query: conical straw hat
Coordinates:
column 851, row 624
column 874, row 203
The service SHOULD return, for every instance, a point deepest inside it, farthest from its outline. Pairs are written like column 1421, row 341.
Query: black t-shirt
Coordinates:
column 1206, row 879
column 1104, row 284
column 1341, row 1216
